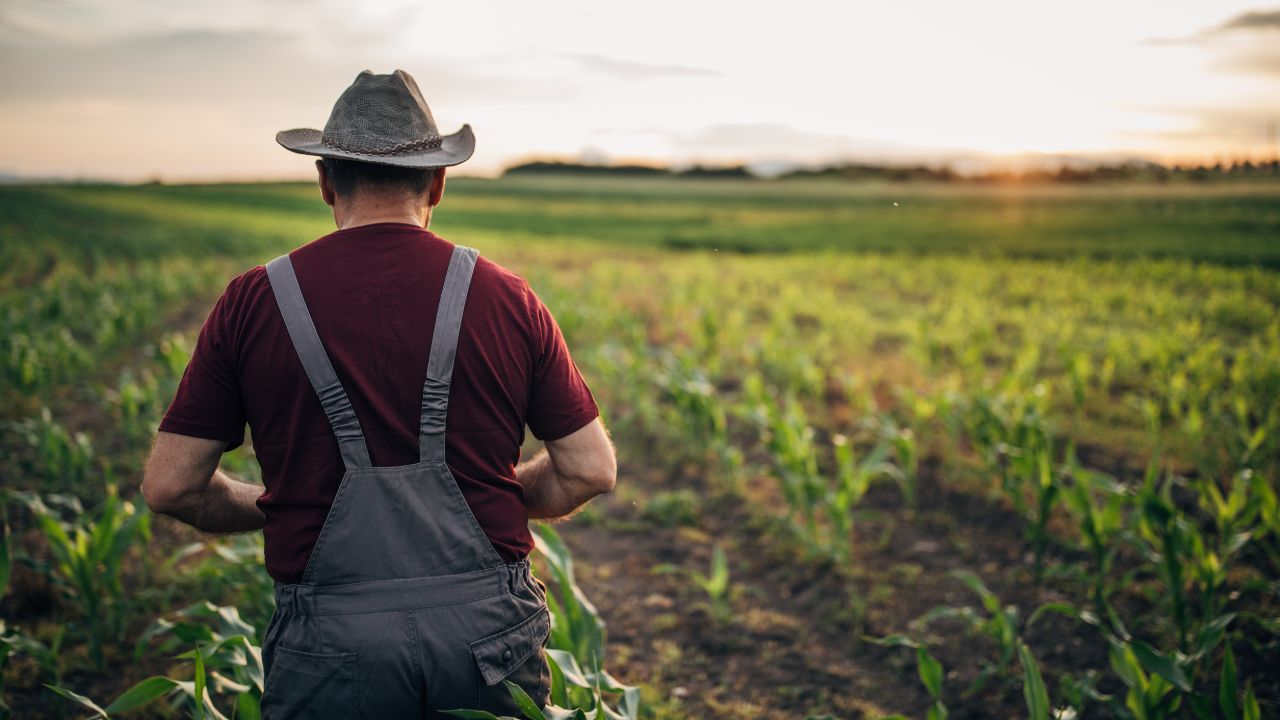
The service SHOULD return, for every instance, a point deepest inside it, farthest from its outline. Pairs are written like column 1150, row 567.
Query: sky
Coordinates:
column 178, row 90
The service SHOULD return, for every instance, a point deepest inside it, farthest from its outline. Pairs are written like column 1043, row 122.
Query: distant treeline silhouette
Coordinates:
column 559, row 168
column 1136, row 170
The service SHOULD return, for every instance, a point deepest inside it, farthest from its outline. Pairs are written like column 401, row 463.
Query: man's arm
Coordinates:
column 182, row 480
column 569, row 472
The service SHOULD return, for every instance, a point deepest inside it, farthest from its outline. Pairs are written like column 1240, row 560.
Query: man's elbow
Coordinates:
column 605, row 476
column 159, row 498
column 161, row 494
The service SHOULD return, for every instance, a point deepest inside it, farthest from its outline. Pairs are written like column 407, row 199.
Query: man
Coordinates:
column 387, row 377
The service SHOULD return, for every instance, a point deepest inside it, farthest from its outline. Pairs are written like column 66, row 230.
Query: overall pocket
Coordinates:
column 310, row 685
column 516, row 654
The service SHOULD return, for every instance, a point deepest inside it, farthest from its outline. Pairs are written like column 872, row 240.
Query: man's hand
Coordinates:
column 182, row 480
column 571, row 471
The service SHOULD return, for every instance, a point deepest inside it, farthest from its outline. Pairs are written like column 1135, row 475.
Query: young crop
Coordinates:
column 1000, row 624
column 715, row 585
column 927, row 667
column 1100, row 506
column 60, row 460
column 88, row 557
column 853, row 479
column 698, row 417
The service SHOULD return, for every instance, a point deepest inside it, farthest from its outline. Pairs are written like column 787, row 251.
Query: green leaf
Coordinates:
column 1033, row 688
column 1066, row 609
column 1212, row 633
column 569, row 667
column 989, row 599
column 248, row 707
column 524, row 702
column 1162, row 665
column 82, row 700
column 142, row 693
column 896, row 640
column 1228, row 686
column 930, row 671
column 199, row 684
column 1250, row 711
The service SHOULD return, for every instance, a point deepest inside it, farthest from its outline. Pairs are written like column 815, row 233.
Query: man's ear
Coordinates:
column 436, row 190
column 326, row 187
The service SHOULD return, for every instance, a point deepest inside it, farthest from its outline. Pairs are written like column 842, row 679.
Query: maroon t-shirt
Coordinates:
column 373, row 292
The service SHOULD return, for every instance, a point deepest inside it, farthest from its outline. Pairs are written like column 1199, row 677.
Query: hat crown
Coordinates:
column 381, row 114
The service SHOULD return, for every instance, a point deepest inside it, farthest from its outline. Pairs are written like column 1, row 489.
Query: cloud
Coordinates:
column 1253, row 20
column 630, row 70
column 172, row 66
column 1245, row 43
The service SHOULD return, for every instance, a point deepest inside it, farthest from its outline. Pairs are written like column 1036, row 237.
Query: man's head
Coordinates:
column 358, row 191
column 382, row 152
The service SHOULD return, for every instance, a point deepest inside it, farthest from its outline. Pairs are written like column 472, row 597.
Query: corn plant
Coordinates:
column 715, row 585
column 906, row 455
column 1099, row 504
column 698, row 416
column 928, row 668
column 853, row 479
column 576, row 646
column 1017, row 441
column 61, row 460
column 194, row 693
column 226, row 664
column 789, row 438
column 88, row 553
column 1000, row 624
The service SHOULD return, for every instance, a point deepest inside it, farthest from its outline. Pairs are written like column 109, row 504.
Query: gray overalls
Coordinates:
column 404, row 608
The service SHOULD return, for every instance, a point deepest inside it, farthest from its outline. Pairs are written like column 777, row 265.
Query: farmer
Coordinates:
column 387, row 376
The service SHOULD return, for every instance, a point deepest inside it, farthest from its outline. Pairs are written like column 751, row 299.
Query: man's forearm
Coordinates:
column 547, row 495
column 224, row 505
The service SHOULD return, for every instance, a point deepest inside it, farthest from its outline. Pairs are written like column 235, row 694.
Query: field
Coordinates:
column 930, row 451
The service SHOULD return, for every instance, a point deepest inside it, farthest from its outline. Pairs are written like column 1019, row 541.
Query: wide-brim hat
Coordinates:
column 383, row 119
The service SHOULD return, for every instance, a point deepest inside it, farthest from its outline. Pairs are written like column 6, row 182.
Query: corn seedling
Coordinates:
column 578, row 629
column 88, row 553
column 62, row 460
column 853, row 479
column 714, row 584
column 927, row 667
column 1000, row 623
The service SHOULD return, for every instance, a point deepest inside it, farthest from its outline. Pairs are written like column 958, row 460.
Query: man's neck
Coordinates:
column 352, row 215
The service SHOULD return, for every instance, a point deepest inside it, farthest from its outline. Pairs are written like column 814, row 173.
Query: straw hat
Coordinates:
column 383, row 119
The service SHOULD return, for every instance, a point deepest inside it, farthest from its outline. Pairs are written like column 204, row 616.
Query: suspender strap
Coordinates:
column 444, row 348
column 284, row 283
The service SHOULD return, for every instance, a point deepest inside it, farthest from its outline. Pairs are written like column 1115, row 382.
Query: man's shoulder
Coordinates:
column 248, row 284
column 500, row 280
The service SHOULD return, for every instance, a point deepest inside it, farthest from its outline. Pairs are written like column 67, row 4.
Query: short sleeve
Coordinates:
column 559, row 400
column 208, row 403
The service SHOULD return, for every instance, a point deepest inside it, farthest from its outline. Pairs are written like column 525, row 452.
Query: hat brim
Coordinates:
column 453, row 149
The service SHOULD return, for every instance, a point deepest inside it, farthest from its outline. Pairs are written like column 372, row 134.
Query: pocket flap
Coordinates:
column 502, row 652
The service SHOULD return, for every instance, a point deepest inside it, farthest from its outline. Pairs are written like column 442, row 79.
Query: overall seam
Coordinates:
column 308, row 571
